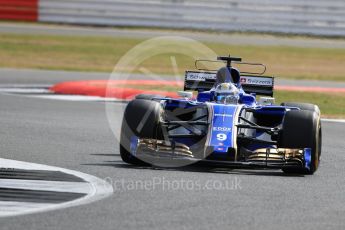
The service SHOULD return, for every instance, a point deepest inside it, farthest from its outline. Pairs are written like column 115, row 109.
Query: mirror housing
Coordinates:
column 185, row 94
column 266, row 100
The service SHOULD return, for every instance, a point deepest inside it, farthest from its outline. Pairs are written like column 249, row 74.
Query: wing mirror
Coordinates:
column 185, row 94
column 266, row 100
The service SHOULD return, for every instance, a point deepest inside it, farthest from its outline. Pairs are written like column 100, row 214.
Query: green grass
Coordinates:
column 101, row 54
column 331, row 105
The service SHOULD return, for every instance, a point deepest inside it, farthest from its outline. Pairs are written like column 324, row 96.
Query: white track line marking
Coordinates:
column 23, row 90
column 94, row 188
column 41, row 185
column 9, row 208
column 333, row 120
column 74, row 98
column 45, row 93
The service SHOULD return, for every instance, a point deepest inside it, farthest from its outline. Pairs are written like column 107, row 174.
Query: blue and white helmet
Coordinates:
column 227, row 93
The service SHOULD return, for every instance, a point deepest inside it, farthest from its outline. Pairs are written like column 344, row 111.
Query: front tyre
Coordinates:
column 141, row 119
column 302, row 129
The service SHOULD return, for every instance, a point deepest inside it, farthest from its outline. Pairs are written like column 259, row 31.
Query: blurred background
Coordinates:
column 301, row 41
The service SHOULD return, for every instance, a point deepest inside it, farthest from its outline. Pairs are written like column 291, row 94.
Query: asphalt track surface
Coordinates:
column 76, row 135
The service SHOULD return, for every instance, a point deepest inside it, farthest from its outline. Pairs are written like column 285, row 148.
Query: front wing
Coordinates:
column 151, row 150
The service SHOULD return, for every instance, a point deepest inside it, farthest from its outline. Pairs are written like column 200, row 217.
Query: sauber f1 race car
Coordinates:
column 224, row 125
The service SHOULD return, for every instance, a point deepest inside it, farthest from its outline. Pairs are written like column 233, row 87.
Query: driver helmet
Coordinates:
column 227, row 93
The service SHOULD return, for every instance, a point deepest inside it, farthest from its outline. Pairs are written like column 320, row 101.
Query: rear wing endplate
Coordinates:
column 203, row 81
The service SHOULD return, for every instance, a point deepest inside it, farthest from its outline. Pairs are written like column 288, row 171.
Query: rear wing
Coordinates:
column 203, row 81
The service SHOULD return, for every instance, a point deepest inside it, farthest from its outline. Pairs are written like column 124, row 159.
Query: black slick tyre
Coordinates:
column 302, row 129
column 141, row 119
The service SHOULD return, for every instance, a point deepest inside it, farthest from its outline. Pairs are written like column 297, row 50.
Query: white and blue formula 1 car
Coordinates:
column 224, row 125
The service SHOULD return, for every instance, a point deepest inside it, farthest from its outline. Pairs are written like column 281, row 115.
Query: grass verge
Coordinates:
column 331, row 105
column 101, row 54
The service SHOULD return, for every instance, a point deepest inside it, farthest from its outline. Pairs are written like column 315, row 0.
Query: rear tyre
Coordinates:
column 303, row 106
column 141, row 119
column 302, row 129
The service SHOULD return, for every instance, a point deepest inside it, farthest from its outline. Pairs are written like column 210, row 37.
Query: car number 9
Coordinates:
column 221, row 136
